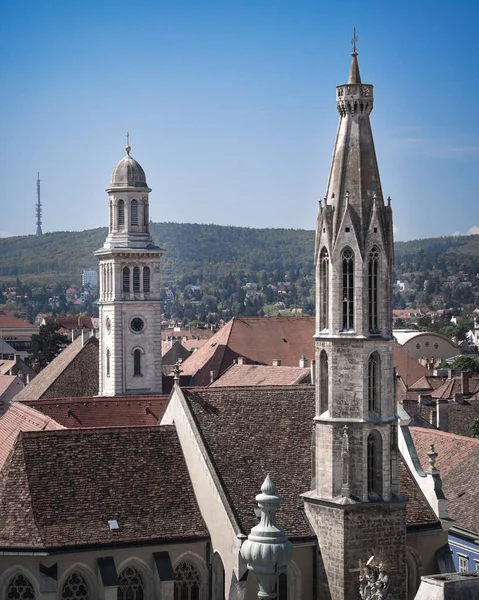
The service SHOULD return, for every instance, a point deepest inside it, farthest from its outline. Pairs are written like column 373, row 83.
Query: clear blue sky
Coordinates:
column 231, row 108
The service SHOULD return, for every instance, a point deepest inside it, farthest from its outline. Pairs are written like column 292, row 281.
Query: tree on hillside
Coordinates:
column 46, row 345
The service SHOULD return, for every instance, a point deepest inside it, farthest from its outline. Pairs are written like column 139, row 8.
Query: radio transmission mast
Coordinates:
column 39, row 208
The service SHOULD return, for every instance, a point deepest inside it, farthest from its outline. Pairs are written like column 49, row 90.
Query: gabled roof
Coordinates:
column 458, row 463
column 102, row 411
column 69, row 367
column 16, row 365
column 70, row 323
column 258, row 339
column 17, row 418
column 262, row 375
column 251, row 431
column 11, row 322
column 5, row 382
column 409, row 369
column 58, row 489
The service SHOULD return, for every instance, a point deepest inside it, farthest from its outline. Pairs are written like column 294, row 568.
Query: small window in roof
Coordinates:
column 113, row 525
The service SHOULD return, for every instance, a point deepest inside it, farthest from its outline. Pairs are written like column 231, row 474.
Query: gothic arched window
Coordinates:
column 146, row 279
column 121, row 213
column 282, row 587
column 187, row 582
column 374, row 383
column 375, row 465
column 323, row 289
column 108, row 363
column 134, row 212
column 75, row 587
column 348, row 289
column 373, row 290
column 20, row 588
column 323, row 382
column 218, row 577
column 131, row 585
column 136, row 279
column 126, row 279
column 137, row 362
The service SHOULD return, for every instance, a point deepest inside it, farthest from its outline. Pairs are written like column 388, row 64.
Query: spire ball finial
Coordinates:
column 128, row 147
column 355, row 39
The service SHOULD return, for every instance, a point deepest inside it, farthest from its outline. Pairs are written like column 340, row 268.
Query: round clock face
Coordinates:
column 108, row 324
column 137, row 324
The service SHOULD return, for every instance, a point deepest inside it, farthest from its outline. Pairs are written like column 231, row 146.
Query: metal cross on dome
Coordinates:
column 354, row 39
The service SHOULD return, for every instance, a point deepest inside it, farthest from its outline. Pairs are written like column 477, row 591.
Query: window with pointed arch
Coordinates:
column 20, row 588
column 146, row 279
column 136, row 279
column 218, row 577
column 348, row 289
column 187, row 582
column 374, row 383
column 75, row 587
column 323, row 382
column 137, row 362
column 121, row 213
column 131, row 585
column 134, row 212
column 373, row 290
column 126, row 279
column 375, row 465
column 324, row 289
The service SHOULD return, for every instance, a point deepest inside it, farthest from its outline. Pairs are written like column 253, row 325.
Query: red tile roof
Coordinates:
column 19, row 418
column 271, row 428
column 258, row 339
column 262, row 375
column 407, row 368
column 458, row 463
column 103, row 411
column 70, row 323
column 58, row 489
column 10, row 322
column 5, row 382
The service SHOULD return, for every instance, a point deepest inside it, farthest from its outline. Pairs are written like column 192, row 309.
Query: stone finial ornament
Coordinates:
column 267, row 550
column 177, row 371
column 432, row 455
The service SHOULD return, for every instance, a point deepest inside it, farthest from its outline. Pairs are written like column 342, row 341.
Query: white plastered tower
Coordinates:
column 130, row 308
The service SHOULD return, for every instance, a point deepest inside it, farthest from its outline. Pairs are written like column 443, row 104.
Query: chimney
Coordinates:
column 28, row 378
column 73, row 335
column 450, row 373
column 442, row 414
column 16, row 358
column 313, row 371
column 458, row 398
column 465, row 377
column 276, row 362
column 213, row 376
column 241, row 360
column 83, row 337
column 303, row 362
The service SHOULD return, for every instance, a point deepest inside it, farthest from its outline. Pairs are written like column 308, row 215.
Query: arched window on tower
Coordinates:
column 131, row 585
column 126, row 279
column 146, row 279
column 373, row 290
column 187, row 582
column 375, row 465
column 75, row 587
column 136, row 279
column 348, row 289
column 121, row 213
column 282, row 587
column 20, row 588
column 134, row 212
column 145, row 213
column 137, row 362
column 374, row 383
column 324, row 382
column 108, row 363
column 324, row 289
column 218, row 577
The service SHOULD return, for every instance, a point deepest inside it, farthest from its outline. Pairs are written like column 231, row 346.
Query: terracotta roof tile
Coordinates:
column 409, row 369
column 418, row 510
column 5, row 382
column 458, row 463
column 8, row 321
column 102, row 411
column 69, row 323
column 64, row 498
column 262, row 375
column 271, row 428
column 259, row 339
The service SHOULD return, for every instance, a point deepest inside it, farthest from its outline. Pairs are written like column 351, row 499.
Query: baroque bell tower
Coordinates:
column 355, row 506
column 130, row 308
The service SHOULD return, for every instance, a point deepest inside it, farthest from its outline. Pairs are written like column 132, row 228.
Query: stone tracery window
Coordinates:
column 131, row 585
column 324, row 382
column 324, row 289
column 121, row 213
column 374, row 383
column 187, row 582
column 20, row 588
column 348, row 289
column 373, row 290
column 134, row 212
column 375, row 465
column 75, row 588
